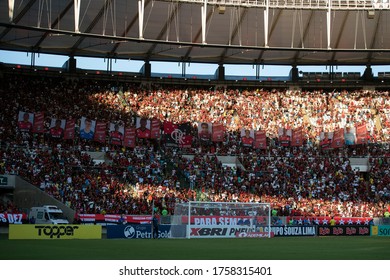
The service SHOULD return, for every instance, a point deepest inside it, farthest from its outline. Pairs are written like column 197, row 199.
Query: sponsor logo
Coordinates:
column 253, row 234
column 323, row 231
column 343, row 230
column 143, row 232
column 384, row 231
column 220, row 221
column 56, row 231
column 223, row 231
column 129, row 232
column 291, row 230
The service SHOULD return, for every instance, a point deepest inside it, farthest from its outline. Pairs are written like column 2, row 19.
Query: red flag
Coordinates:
column 129, row 138
column 100, row 132
column 39, row 119
column 338, row 138
column 361, row 134
column 154, row 129
column 297, row 137
column 69, row 129
column 218, row 132
column 260, row 140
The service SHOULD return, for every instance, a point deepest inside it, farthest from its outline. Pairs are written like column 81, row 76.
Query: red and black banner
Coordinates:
column 338, row 138
column 100, row 132
column 178, row 135
column 155, row 129
column 260, row 140
column 361, row 134
column 69, row 129
column 297, row 137
column 39, row 126
column 218, row 132
column 129, row 137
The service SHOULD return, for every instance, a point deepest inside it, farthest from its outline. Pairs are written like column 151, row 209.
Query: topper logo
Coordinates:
column 56, row 231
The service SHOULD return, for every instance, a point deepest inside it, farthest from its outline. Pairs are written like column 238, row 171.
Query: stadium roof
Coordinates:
column 297, row 32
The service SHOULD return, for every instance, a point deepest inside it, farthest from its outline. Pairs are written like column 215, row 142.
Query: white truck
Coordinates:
column 47, row 214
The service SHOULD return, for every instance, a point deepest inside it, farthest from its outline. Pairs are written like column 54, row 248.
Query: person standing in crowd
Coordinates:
column 155, row 226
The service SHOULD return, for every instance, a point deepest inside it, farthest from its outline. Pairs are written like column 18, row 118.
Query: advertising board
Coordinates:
column 343, row 230
column 136, row 231
column 55, row 232
column 291, row 230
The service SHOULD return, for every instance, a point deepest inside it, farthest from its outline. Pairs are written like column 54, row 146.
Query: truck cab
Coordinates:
column 47, row 214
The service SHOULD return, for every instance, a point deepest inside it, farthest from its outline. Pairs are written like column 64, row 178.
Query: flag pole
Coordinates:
column 151, row 221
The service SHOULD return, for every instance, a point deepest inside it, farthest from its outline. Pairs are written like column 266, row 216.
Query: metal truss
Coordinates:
column 352, row 5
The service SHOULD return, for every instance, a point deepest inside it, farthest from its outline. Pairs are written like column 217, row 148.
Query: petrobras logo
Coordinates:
column 143, row 231
column 129, row 232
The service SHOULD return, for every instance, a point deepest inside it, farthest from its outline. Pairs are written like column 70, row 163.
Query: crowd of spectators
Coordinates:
column 296, row 181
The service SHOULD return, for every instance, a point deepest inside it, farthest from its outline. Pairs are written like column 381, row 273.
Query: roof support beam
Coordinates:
column 163, row 30
column 77, row 4
column 11, row 7
column 369, row 57
column 90, row 27
column 129, row 26
column 270, row 34
column 204, row 21
column 305, row 33
column 141, row 13
column 266, row 21
column 234, row 33
column 339, row 36
column 19, row 17
column 328, row 24
column 187, row 55
column 54, row 24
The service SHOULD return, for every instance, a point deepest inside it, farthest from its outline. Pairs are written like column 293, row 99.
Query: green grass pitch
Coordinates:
column 284, row 248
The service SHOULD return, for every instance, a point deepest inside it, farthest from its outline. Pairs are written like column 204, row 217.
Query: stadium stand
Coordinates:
column 302, row 180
